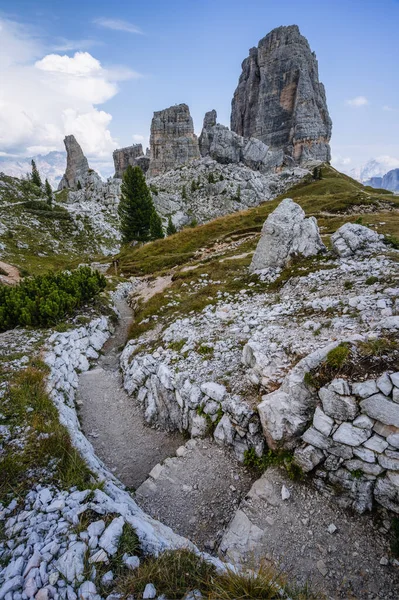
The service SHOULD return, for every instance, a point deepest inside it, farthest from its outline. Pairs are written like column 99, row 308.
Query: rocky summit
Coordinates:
column 279, row 99
column 77, row 165
column 173, row 142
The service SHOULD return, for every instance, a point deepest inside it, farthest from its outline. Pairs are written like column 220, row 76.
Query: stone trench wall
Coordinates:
column 172, row 402
column 353, row 442
column 68, row 354
column 41, row 554
column 346, row 434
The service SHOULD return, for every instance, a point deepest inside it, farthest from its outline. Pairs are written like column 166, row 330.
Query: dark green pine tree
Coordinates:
column 171, row 228
column 135, row 207
column 35, row 175
column 49, row 192
column 156, row 229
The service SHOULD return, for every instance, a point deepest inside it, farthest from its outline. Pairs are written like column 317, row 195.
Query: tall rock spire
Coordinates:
column 77, row 165
column 172, row 142
column 279, row 99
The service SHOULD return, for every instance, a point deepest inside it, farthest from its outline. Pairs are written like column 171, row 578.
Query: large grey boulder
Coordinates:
column 172, row 141
column 286, row 233
column 279, row 99
column 77, row 164
column 352, row 239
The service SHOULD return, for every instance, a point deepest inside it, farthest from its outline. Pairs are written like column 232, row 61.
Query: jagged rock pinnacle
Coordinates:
column 279, row 99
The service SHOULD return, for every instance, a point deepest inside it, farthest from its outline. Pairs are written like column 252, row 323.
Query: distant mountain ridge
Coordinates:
column 51, row 166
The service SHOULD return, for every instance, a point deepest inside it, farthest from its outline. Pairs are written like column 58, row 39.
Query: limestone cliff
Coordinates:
column 279, row 99
column 77, row 165
column 131, row 155
column 172, row 142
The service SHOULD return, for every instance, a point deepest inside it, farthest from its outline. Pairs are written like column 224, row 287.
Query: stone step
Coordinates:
column 197, row 492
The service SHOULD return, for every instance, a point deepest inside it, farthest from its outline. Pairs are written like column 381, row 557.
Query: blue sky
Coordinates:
column 145, row 56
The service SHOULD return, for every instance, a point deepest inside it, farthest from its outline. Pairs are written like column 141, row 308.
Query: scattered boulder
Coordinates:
column 172, row 142
column 286, row 233
column 77, row 165
column 352, row 239
column 279, row 99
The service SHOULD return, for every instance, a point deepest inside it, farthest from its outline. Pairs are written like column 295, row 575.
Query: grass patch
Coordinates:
column 177, row 345
column 363, row 359
column 175, row 573
column 28, row 405
column 281, row 458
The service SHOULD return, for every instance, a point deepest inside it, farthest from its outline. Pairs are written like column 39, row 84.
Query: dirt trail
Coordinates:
column 197, row 491
column 12, row 276
column 114, row 422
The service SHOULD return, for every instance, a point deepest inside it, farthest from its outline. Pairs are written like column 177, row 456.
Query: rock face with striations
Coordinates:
column 131, row 155
column 286, row 233
column 172, row 142
column 279, row 99
column 77, row 165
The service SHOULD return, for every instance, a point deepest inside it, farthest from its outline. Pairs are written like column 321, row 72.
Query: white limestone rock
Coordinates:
column 110, row 538
column 351, row 436
column 286, row 233
column 351, row 239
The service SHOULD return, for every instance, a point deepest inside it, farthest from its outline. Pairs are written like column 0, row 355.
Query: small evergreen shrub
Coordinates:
column 171, row 228
column 45, row 300
column 370, row 280
column 211, row 178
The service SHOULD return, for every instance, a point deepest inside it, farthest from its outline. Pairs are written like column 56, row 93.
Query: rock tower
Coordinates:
column 77, row 165
column 279, row 99
column 172, row 142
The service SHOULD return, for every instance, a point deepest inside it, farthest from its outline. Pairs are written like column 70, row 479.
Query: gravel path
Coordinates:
column 197, row 492
column 312, row 539
column 113, row 422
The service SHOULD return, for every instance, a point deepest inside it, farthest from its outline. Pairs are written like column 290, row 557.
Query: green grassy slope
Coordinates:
column 37, row 238
column 333, row 200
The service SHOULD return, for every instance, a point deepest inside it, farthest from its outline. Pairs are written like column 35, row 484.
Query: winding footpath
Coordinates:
column 194, row 487
column 114, row 422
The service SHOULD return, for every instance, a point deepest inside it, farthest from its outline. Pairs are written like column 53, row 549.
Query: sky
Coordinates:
column 100, row 69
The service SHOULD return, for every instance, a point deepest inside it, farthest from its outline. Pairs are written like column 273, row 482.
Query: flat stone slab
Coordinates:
column 380, row 408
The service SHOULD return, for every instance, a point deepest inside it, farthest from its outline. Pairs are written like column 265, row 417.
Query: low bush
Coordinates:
column 44, row 300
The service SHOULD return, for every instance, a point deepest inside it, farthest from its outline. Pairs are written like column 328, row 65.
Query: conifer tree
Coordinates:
column 171, row 229
column 35, row 175
column 49, row 192
column 156, row 229
column 135, row 207
column 79, row 185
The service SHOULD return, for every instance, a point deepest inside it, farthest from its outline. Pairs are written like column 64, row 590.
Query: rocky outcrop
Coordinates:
column 106, row 193
column 227, row 147
column 205, row 189
column 172, row 142
column 131, row 155
column 352, row 239
column 279, row 99
column 77, row 164
column 286, row 233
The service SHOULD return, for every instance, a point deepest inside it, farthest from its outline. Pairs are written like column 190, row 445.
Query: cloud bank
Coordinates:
column 44, row 98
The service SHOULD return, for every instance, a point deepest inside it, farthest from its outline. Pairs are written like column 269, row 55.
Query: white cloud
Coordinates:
column 44, row 98
column 66, row 45
column 117, row 25
column 358, row 101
